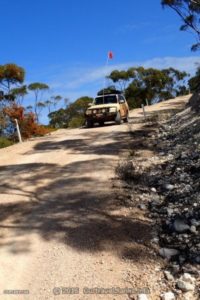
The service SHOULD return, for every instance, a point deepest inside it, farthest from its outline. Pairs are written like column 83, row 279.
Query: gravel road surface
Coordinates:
column 61, row 223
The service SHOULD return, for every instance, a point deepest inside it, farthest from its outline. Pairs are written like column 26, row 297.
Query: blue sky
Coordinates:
column 64, row 43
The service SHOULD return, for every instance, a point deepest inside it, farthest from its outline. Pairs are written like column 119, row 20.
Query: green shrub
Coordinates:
column 76, row 122
column 4, row 142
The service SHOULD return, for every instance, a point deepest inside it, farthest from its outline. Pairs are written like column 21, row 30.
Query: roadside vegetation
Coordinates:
column 13, row 93
column 150, row 85
column 188, row 11
column 5, row 142
column 72, row 116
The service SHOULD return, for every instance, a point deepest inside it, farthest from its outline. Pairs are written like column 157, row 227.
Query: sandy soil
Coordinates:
column 61, row 221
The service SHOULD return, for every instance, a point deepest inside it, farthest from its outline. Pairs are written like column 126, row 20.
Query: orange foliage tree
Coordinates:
column 26, row 121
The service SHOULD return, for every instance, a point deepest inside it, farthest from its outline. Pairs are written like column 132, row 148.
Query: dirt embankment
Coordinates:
column 167, row 187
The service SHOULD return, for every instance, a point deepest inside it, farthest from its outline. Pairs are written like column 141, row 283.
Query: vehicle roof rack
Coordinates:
column 109, row 92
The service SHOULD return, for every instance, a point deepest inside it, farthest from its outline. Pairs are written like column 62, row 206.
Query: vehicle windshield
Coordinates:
column 105, row 100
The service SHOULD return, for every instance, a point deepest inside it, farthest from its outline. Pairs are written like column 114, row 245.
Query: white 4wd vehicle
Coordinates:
column 107, row 107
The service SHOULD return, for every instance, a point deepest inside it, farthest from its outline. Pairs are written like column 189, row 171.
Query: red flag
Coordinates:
column 110, row 55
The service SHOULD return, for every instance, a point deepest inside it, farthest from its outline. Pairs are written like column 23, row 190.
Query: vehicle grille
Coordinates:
column 100, row 110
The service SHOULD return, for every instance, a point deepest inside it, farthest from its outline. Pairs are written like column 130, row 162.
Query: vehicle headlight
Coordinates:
column 112, row 109
column 94, row 111
column 103, row 110
column 88, row 112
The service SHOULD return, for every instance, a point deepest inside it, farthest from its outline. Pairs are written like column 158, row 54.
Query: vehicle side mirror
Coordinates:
column 121, row 101
column 89, row 104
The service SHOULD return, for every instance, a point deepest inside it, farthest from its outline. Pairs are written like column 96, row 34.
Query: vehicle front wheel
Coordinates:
column 89, row 123
column 101, row 123
column 118, row 119
column 126, row 120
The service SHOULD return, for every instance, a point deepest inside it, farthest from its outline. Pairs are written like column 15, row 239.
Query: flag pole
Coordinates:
column 104, row 84
column 109, row 56
column 107, row 60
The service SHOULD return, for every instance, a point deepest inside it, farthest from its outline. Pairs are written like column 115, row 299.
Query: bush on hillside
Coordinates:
column 76, row 122
column 27, row 123
column 4, row 142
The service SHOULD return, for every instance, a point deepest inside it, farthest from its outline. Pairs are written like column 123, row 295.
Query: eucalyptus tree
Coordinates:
column 19, row 93
column 66, row 101
column 11, row 75
column 38, row 90
column 48, row 104
column 29, row 108
column 72, row 116
column 188, row 11
column 120, row 77
column 153, row 85
column 40, row 106
column 56, row 99
column 194, row 82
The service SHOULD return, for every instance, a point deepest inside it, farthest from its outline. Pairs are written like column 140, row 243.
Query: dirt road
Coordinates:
column 61, row 221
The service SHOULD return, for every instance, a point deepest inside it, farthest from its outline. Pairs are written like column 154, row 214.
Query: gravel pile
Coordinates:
column 176, row 208
column 177, row 181
column 169, row 191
